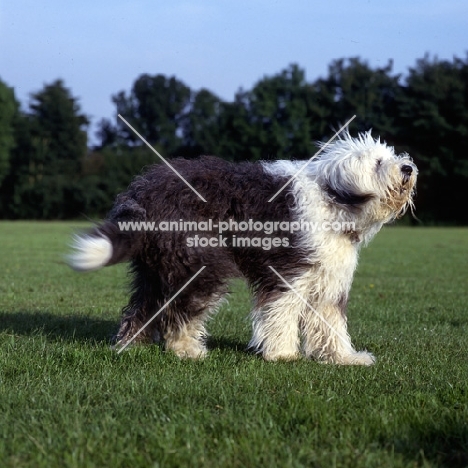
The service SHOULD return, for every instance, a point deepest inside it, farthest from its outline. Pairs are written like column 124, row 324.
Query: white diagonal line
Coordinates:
column 157, row 153
column 161, row 309
column 312, row 158
column 343, row 338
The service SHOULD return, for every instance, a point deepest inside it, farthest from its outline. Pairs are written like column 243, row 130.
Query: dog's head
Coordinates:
column 364, row 174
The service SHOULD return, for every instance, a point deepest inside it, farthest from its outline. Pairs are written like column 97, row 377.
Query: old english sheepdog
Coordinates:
column 297, row 247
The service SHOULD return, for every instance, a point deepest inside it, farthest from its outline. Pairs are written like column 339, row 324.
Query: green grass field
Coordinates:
column 67, row 400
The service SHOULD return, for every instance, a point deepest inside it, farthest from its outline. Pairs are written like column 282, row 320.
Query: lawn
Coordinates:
column 67, row 400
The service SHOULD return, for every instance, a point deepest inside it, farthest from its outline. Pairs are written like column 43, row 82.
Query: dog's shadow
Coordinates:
column 219, row 342
column 67, row 327
column 79, row 328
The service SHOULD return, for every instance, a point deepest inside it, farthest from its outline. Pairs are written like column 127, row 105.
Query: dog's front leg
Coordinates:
column 326, row 338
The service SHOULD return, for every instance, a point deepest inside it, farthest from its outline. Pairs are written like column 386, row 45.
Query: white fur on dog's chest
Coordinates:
column 334, row 253
column 336, row 259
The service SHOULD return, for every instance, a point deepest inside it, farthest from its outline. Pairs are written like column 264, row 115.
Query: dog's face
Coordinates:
column 367, row 174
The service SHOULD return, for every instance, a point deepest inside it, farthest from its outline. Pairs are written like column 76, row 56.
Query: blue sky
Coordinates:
column 100, row 47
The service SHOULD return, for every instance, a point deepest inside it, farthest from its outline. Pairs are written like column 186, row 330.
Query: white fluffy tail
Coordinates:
column 90, row 253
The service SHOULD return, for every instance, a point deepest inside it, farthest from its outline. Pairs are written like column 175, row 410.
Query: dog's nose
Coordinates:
column 407, row 170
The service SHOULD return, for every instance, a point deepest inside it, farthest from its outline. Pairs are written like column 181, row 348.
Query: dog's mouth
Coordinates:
column 404, row 187
column 400, row 195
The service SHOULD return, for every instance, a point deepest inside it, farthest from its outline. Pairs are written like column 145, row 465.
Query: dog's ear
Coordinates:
column 347, row 198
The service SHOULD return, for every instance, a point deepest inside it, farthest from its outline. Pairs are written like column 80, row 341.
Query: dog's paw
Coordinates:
column 193, row 351
column 359, row 358
column 125, row 345
column 128, row 341
column 272, row 356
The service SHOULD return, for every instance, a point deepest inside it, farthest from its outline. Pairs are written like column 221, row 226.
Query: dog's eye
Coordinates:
column 378, row 163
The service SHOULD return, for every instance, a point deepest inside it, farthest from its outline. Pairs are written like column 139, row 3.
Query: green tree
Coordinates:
column 156, row 108
column 234, row 129
column 107, row 172
column 275, row 120
column 370, row 94
column 201, row 125
column 279, row 120
column 46, row 163
column 8, row 113
column 59, row 130
column 434, row 118
column 108, row 134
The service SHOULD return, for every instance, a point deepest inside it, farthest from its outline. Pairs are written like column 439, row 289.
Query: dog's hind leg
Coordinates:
column 134, row 329
column 185, row 333
column 137, row 325
column 187, row 340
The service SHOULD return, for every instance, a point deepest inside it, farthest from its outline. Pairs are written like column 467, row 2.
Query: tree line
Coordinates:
column 48, row 171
